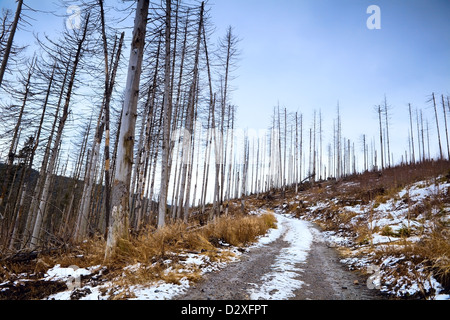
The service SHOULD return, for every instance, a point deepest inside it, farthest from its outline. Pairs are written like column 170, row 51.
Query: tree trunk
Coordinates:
column 387, row 131
column 441, row 155
column 167, row 116
column 10, row 40
column 446, row 130
column 118, row 226
column 381, row 138
column 413, row 157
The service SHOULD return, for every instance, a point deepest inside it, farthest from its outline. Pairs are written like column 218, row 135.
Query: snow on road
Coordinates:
column 281, row 283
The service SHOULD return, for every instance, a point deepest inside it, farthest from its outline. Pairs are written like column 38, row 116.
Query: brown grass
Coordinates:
column 153, row 248
column 436, row 249
column 156, row 254
column 433, row 250
column 238, row 231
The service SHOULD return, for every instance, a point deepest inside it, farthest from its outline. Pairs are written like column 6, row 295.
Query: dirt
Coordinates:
column 322, row 275
column 30, row 290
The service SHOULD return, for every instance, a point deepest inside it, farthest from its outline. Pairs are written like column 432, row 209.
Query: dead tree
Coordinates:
column 446, row 129
column 9, row 43
column 167, row 118
column 381, row 137
column 413, row 157
column 386, row 117
column 118, row 226
column 441, row 154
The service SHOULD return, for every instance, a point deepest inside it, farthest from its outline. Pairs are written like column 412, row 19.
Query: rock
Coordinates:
column 356, row 282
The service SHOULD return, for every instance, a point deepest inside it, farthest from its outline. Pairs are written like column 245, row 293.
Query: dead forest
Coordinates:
column 105, row 133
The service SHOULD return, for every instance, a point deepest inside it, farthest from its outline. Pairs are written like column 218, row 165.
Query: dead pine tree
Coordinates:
column 386, row 118
column 419, row 157
column 445, row 123
column 422, row 135
column 441, row 155
column 413, row 157
column 167, row 116
column 191, row 117
column 379, row 110
column 9, row 43
column 120, row 195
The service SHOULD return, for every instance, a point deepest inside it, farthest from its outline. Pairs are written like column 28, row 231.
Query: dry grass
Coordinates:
column 239, row 231
column 433, row 251
column 153, row 255
column 436, row 249
column 158, row 254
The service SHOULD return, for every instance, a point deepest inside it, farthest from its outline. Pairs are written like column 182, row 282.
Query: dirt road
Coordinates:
column 294, row 264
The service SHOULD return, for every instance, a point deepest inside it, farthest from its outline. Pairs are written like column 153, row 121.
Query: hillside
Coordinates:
column 393, row 228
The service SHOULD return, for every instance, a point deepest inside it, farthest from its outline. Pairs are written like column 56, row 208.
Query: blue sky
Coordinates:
column 307, row 55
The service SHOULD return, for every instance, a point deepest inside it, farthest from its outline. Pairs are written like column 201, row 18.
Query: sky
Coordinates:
column 310, row 55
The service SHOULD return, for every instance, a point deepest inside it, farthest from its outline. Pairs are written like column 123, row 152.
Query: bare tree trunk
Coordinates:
column 314, row 149
column 441, row 155
column 428, row 141
column 381, row 138
column 446, row 130
column 217, row 159
column 338, row 145
column 419, row 157
column 320, row 146
column 387, row 130
column 206, row 162
column 167, row 115
column 118, row 226
column 413, row 157
column 10, row 40
column 192, row 110
column 423, row 138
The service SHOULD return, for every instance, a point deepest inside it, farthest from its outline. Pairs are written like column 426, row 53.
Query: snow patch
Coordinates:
column 282, row 281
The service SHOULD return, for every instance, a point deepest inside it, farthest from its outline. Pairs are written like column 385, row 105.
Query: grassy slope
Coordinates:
column 397, row 221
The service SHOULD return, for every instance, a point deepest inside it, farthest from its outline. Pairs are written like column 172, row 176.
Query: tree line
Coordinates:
column 126, row 156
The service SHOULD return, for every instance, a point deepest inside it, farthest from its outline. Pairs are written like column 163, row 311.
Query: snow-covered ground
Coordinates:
column 159, row 290
column 280, row 280
column 386, row 221
column 281, row 283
